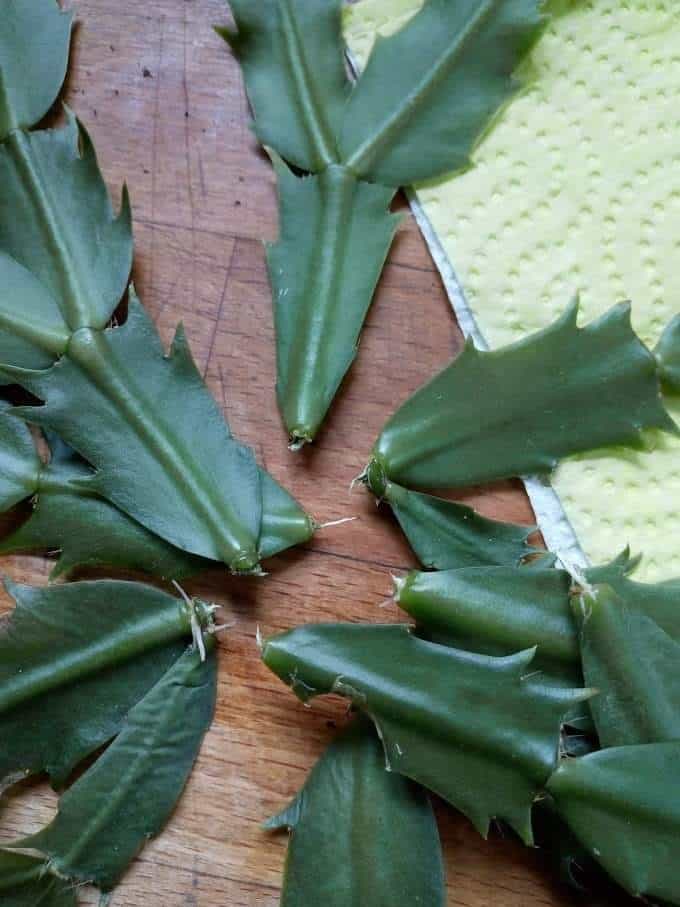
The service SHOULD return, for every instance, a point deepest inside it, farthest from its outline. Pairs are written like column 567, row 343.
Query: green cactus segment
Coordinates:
column 429, row 91
column 291, row 52
column 632, row 660
column 446, row 535
column 477, row 730
column 603, row 389
column 435, row 85
column 162, row 452
column 69, row 518
column 20, row 465
column 499, row 610
column 619, row 804
column 74, row 660
column 126, row 797
column 371, row 834
column 26, row 882
column 284, row 522
column 335, row 233
column 34, row 334
column 668, row 355
column 34, row 43
column 206, row 497
column 58, row 222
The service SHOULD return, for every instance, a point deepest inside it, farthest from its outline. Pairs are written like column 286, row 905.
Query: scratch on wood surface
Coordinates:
column 220, row 309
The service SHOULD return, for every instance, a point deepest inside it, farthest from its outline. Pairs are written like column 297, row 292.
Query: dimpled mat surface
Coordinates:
column 576, row 188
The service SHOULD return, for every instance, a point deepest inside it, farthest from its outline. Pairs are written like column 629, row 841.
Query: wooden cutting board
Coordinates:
column 164, row 102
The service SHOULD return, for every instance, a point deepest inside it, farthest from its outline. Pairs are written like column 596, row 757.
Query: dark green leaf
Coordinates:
column 429, row 91
column 206, row 498
column 126, row 797
column 621, row 804
column 56, row 220
column 291, row 52
column 335, row 233
column 478, row 730
column 20, row 465
column 68, row 518
column 34, row 41
column 88, row 531
column 658, row 601
column 73, row 660
column 499, row 611
column 668, row 356
column 633, row 663
column 26, row 882
column 360, row 835
column 522, row 408
column 130, row 409
column 445, row 534
column 33, row 335
column 284, row 522
column 622, row 566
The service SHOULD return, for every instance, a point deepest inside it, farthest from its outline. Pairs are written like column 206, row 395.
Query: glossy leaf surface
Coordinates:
column 284, row 522
column 68, row 518
column 126, row 797
column 20, row 465
column 292, row 56
column 633, row 662
column 67, row 268
column 137, row 415
column 33, row 334
column 429, row 91
column 477, row 730
column 26, row 882
column 56, row 219
column 73, row 660
column 86, row 530
column 335, row 233
column 668, row 355
column 446, row 535
column 360, row 834
column 34, row 42
column 499, row 610
column 620, row 804
column 558, row 392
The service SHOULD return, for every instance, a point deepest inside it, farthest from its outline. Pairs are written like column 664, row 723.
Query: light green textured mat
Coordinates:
column 575, row 189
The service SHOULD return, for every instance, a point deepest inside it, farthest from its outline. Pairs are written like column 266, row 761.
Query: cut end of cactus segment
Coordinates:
column 375, row 477
column 247, row 563
column 298, row 438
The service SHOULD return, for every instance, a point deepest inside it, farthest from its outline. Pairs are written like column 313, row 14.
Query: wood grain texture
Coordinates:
column 164, row 101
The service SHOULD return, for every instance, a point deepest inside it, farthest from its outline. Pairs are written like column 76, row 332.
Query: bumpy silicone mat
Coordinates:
column 576, row 188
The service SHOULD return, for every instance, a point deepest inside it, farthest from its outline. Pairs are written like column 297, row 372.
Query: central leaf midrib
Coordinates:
column 423, row 717
column 122, row 789
column 322, row 290
column 362, row 157
column 150, row 630
column 48, row 340
column 311, row 106
column 74, row 303
column 117, row 385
